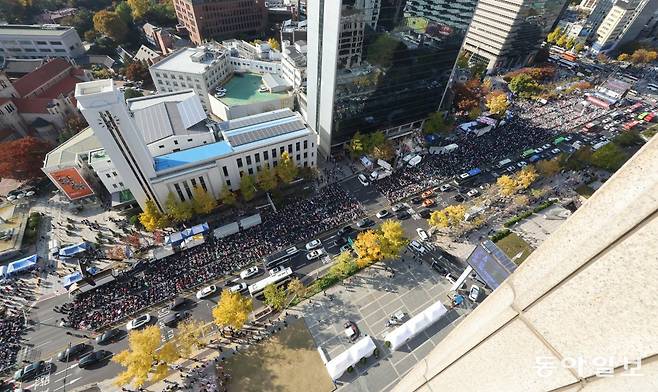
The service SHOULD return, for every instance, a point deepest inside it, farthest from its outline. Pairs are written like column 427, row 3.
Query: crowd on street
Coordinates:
column 523, row 129
column 11, row 329
column 159, row 280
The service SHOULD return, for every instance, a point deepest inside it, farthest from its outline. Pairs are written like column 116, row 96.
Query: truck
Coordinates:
column 443, row 150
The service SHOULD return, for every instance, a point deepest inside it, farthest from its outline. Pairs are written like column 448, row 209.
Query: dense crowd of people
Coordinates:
column 11, row 329
column 159, row 280
column 529, row 125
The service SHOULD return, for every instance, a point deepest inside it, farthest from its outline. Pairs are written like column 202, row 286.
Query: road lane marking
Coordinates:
column 68, row 368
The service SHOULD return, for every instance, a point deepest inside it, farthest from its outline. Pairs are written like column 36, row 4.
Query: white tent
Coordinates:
column 226, row 230
column 415, row 325
column 415, row 160
column 361, row 349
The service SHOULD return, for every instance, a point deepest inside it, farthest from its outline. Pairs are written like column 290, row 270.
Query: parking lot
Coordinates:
column 369, row 299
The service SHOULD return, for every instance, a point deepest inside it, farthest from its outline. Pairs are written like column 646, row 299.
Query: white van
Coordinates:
column 363, row 180
column 504, row 163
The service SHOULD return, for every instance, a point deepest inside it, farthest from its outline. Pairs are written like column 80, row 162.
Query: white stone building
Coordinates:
column 39, row 41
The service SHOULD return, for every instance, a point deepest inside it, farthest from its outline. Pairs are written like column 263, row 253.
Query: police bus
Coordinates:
column 279, row 257
column 276, row 279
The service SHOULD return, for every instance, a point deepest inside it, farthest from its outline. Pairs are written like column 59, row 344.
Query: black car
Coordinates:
column 439, row 268
column 355, row 330
column 459, row 198
column 416, row 200
column 30, row 371
column 424, row 213
column 172, row 319
column 402, row 215
column 363, row 223
column 345, row 230
column 72, row 352
column 93, row 358
column 339, row 241
column 109, row 336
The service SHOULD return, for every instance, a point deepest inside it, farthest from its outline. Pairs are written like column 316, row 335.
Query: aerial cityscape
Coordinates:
column 328, row 195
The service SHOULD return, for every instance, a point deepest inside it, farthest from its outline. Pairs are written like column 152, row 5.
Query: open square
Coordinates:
column 289, row 361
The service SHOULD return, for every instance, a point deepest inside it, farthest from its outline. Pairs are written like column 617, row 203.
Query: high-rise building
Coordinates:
column 220, row 19
column 598, row 13
column 505, row 34
column 624, row 23
column 575, row 316
column 387, row 78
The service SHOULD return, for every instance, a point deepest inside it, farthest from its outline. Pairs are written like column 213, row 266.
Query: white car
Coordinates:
column 444, row 187
column 314, row 254
column 472, row 193
column 556, row 151
column 30, row 193
column 276, row 269
column 139, row 322
column 474, row 294
column 363, row 180
column 464, row 175
column 422, row 234
column 242, row 286
column 546, row 146
column 450, row 278
column 416, row 246
column 398, row 207
column 522, row 164
column 316, row 243
column 206, row 292
column 249, row 272
column 382, row 214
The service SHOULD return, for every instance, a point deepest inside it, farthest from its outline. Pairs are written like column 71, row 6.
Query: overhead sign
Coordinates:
column 71, row 183
column 491, row 264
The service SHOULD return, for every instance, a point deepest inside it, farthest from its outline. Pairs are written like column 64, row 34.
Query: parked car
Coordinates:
column 417, row 247
column 138, row 322
column 364, row 223
column 473, row 193
column 345, row 248
column 339, row 241
column 398, row 207
column 314, row 254
column 178, row 303
column 109, row 336
column 427, row 193
column 206, row 291
column 249, row 272
column 93, row 358
column 474, row 293
column 416, row 200
column 276, row 270
column 445, row 187
column 351, row 331
column 424, row 213
column 556, row 151
column 30, row 371
column 363, row 180
column 428, row 202
column 382, row 214
column 72, row 352
column 313, row 244
column 459, row 198
column 345, row 230
column 422, row 234
column 172, row 319
column 402, row 215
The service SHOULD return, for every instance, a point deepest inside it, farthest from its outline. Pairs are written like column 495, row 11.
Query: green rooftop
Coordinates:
column 242, row 89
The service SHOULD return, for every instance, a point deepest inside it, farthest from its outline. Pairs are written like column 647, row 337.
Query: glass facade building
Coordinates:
column 379, row 64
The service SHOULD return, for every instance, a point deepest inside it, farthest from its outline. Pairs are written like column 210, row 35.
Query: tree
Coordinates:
column 393, row 239
column 227, row 197
column 474, row 113
column 561, row 41
column 570, row 43
column 178, row 211
column 384, row 152
column 274, row 44
column 467, row 95
column 123, row 10
column 21, row 159
column 267, row 179
column 143, row 357
column 579, row 47
column 548, row 168
column 162, row 13
column 450, row 216
column 139, row 8
column 296, row 288
column 189, row 336
column 554, row 35
column 623, row 57
column 436, row 123
column 138, row 71
column 523, row 83
column 247, row 187
column 232, row 310
column 628, row 139
column 275, row 297
column 286, row 170
column 609, row 157
column 602, row 58
column 372, row 140
column 497, row 102
column 81, row 21
column 203, row 202
column 131, row 93
column 641, row 55
column 356, row 145
column 152, row 219
column 462, row 60
column 110, row 24
column 506, row 184
column 343, row 266
column 526, row 177
column 369, row 247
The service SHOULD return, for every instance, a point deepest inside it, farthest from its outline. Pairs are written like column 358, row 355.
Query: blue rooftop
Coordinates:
column 192, row 155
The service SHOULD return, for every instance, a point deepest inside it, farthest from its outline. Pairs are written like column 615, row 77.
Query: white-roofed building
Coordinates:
column 147, row 55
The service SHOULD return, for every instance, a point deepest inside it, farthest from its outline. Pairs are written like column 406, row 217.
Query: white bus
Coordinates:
column 276, row 279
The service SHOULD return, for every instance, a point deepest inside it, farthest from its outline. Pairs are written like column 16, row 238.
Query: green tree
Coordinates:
column 570, row 43
column 152, row 219
column 393, row 239
column 554, row 35
column 123, row 10
column 232, row 310
column 297, row 289
column 110, row 24
column 275, row 297
column 623, row 57
column 368, row 246
column 506, row 184
column 628, row 139
column 274, row 44
column 562, row 41
column 139, row 8
column 462, row 60
column 373, row 140
column 227, row 197
column 189, row 336
column 436, row 123
column 267, row 179
column 286, row 170
column 162, row 13
column 356, row 145
column 247, row 187
column 343, row 266
column 385, row 151
column 132, row 93
column 609, row 157
column 526, row 177
column 523, row 84
column 203, row 202
column 138, row 71
column 548, row 168
column 178, row 211
column 579, row 47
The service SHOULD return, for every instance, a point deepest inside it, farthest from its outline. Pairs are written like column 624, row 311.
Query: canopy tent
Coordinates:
column 3, row 270
column 21, row 265
column 361, row 349
column 250, row 221
column 194, row 230
column 193, row 241
column 415, row 325
column 174, row 238
column 226, row 230
column 74, row 249
column 76, row 276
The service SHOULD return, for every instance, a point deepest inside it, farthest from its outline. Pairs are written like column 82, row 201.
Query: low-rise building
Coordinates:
column 40, row 100
column 164, row 144
column 147, row 55
column 39, row 41
column 293, row 64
